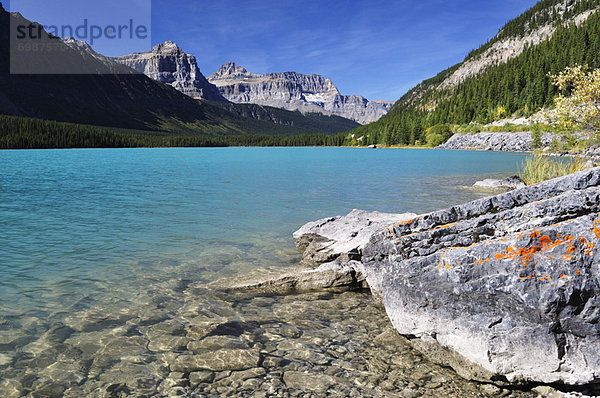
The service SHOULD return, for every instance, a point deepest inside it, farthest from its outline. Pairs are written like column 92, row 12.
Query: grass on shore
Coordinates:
column 540, row 168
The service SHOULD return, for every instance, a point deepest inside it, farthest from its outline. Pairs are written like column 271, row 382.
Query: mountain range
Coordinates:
column 100, row 91
column 295, row 91
column 167, row 63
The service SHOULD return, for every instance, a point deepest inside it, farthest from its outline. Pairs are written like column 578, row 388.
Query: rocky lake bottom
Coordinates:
column 108, row 257
column 179, row 339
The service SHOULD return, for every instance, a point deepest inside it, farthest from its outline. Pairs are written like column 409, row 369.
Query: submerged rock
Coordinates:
column 510, row 283
column 509, row 183
column 222, row 360
column 342, row 237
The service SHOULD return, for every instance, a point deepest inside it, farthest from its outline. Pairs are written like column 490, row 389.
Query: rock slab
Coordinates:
column 335, row 276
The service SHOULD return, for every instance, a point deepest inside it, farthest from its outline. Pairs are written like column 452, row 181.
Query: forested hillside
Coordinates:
column 518, row 87
column 27, row 133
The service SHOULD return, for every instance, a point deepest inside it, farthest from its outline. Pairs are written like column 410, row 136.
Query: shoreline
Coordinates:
column 339, row 248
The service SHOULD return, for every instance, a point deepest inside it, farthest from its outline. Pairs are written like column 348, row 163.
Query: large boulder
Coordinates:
column 342, row 237
column 509, row 283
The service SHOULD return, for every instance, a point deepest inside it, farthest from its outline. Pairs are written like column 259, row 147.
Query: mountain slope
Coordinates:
column 294, row 91
column 506, row 76
column 95, row 91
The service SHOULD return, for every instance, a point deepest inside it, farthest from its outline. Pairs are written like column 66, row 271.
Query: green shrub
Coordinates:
column 434, row 140
column 438, row 134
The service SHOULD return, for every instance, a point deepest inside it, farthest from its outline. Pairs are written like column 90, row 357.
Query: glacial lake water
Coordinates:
column 105, row 258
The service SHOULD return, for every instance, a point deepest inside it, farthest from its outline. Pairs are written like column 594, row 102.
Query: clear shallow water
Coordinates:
column 97, row 243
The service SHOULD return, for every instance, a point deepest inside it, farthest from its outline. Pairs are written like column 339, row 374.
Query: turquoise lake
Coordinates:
column 86, row 234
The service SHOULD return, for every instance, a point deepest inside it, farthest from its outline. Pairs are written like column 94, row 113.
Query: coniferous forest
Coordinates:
column 27, row 133
column 519, row 87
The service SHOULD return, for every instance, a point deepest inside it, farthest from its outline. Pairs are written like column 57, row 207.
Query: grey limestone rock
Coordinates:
column 509, row 282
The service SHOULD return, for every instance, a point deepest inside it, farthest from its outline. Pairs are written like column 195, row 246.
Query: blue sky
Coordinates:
column 378, row 49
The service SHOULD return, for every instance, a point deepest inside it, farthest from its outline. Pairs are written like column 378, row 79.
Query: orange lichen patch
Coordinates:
column 407, row 222
column 563, row 276
column 569, row 237
column 520, row 236
column 596, row 231
column 534, row 234
column 567, row 257
column 476, row 262
column 545, row 278
column 446, row 226
column 510, row 249
column 448, row 267
column 500, row 256
column 487, row 260
column 588, row 252
column 583, row 240
column 590, row 245
column 578, row 272
column 597, row 221
column 527, row 277
column 545, row 240
column 440, row 265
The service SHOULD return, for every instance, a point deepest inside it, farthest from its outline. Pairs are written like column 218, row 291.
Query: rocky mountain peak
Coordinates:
column 169, row 64
column 230, row 70
column 168, row 47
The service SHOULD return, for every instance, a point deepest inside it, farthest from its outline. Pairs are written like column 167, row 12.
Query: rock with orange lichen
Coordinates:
column 510, row 284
